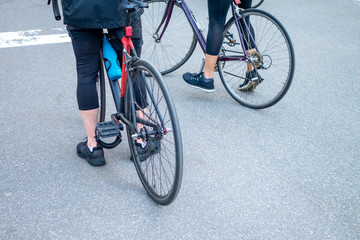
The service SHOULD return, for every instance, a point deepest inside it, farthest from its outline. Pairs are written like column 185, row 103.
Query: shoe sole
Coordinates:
column 204, row 89
column 251, row 86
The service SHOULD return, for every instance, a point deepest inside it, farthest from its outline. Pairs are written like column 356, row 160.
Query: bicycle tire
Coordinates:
column 100, row 85
column 277, row 64
column 174, row 48
column 256, row 3
column 161, row 173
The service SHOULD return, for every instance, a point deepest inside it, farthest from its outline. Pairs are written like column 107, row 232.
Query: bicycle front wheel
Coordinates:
column 149, row 107
column 171, row 50
column 269, row 52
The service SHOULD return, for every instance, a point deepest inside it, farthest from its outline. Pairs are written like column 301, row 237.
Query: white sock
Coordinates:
column 90, row 148
column 143, row 144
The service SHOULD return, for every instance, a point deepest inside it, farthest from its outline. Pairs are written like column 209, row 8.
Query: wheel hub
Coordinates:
column 256, row 59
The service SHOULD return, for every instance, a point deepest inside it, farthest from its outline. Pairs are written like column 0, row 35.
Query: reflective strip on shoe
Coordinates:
column 251, row 85
column 202, row 88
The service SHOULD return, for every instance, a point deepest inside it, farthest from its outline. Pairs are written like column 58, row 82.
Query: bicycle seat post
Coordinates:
column 128, row 17
column 130, row 6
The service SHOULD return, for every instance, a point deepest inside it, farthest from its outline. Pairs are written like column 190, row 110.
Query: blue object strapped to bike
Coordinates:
column 111, row 60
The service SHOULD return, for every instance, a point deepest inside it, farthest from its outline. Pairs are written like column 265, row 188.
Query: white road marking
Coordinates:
column 30, row 37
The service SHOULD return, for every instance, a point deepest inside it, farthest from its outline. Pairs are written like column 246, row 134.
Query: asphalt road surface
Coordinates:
column 291, row 171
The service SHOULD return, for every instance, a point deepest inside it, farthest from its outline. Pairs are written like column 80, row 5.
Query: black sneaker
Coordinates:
column 198, row 80
column 94, row 158
column 252, row 79
column 144, row 152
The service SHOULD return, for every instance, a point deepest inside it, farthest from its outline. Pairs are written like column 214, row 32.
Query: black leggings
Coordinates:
column 86, row 44
column 217, row 16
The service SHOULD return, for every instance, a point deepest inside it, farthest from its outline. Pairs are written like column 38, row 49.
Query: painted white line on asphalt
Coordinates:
column 29, row 38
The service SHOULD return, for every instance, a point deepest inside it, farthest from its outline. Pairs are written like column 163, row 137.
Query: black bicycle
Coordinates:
column 144, row 105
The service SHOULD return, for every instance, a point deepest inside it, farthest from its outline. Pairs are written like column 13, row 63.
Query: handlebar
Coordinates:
column 55, row 7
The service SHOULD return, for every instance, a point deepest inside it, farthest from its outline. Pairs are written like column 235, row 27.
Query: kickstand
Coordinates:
column 202, row 65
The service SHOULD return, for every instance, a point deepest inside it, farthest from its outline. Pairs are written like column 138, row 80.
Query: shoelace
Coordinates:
column 196, row 77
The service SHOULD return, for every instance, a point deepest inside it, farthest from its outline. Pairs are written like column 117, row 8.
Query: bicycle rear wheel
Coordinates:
column 174, row 48
column 148, row 106
column 272, row 59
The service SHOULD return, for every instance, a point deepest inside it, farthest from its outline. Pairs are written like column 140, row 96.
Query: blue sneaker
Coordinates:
column 198, row 80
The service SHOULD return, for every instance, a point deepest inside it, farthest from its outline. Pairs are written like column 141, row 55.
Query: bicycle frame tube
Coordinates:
column 190, row 16
column 167, row 16
column 128, row 47
column 238, row 28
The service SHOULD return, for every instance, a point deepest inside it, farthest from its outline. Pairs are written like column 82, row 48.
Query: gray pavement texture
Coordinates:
column 291, row 171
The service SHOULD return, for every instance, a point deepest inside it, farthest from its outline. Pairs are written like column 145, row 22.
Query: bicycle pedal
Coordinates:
column 108, row 129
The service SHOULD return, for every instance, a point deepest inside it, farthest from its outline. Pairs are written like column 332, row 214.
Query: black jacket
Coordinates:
column 95, row 13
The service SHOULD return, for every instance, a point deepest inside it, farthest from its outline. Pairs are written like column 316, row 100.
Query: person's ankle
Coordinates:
column 91, row 144
column 208, row 76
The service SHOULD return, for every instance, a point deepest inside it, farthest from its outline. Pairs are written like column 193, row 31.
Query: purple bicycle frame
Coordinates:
column 200, row 37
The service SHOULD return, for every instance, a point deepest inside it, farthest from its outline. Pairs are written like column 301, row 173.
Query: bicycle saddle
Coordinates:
column 132, row 4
